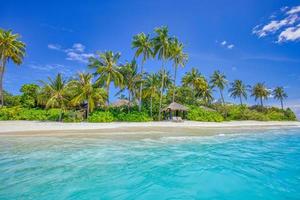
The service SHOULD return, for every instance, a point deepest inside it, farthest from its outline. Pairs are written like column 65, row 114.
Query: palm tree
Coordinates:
column 152, row 88
column 259, row 91
column 56, row 92
column 195, row 80
column 179, row 58
column 107, row 68
column 219, row 80
column 11, row 48
column 161, row 43
column 131, row 78
column 206, row 94
column 238, row 89
column 280, row 95
column 85, row 91
column 141, row 42
column 165, row 76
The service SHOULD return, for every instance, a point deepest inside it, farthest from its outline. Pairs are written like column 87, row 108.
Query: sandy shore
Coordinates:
column 35, row 126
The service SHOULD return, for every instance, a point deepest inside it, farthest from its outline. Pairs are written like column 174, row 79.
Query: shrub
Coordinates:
column 133, row 117
column 100, row 116
column 200, row 114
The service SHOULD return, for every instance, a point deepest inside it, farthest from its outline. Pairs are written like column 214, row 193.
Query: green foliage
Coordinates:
column 11, row 100
column 73, row 116
column 200, row 114
column 133, row 117
column 29, row 95
column 101, row 116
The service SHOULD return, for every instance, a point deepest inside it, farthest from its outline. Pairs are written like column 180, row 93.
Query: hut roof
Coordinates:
column 121, row 102
column 176, row 106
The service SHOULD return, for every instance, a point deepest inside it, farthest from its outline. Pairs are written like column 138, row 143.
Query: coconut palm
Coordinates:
column 131, row 79
column 143, row 47
column 206, row 94
column 11, row 48
column 195, row 80
column 280, row 95
column 161, row 44
column 179, row 58
column 55, row 91
column 107, row 70
column 259, row 91
column 165, row 76
column 238, row 89
column 86, row 92
column 152, row 85
column 218, row 80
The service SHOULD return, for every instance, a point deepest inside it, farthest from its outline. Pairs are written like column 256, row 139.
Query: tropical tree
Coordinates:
column 259, row 91
column 280, row 95
column 238, row 89
column 206, row 94
column 11, row 48
column 179, row 59
column 165, row 76
column 107, row 70
column 131, row 78
column 29, row 95
column 143, row 47
column 218, row 80
column 161, row 44
column 85, row 92
column 56, row 92
column 152, row 85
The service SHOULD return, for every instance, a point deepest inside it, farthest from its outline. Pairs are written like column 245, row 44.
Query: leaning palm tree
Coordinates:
column 161, row 44
column 179, row 58
column 219, row 80
column 280, row 95
column 11, row 48
column 56, row 92
column 259, row 91
column 85, row 92
column 152, row 88
column 238, row 89
column 141, row 42
column 107, row 69
column 131, row 79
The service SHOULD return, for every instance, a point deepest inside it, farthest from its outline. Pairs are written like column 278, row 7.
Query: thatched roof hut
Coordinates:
column 175, row 107
column 121, row 103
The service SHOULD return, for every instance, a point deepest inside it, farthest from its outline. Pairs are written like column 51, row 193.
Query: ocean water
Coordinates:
column 257, row 165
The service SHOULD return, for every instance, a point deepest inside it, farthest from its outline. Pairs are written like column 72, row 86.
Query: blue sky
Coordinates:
column 254, row 40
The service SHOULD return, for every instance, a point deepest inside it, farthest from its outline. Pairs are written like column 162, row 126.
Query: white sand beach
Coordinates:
column 36, row 126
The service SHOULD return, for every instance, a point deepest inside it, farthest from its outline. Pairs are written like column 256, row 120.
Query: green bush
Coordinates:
column 101, row 116
column 133, row 117
column 200, row 114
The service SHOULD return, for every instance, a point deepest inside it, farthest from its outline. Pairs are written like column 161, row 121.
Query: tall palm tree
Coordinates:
column 218, row 80
column 195, row 80
column 238, row 89
column 152, row 88
column 165, row 76
column 141, row 42
column 131, row 78
column 56, row 92
column 179, row 58
column 11, row 48
column 107, row 69
column 161, row 44
column 85, row 91
column 206, row 94
column 259, row 91
column 280, row 95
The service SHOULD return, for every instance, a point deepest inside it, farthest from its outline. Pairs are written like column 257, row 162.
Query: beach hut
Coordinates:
column 174, row 110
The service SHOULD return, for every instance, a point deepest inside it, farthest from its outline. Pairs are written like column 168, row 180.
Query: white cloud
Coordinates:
column 76, row 53
column 51, row 67
column 233, row 68
column 226, row 44
column 285, row 28
column 230, row 46
column 223, row 43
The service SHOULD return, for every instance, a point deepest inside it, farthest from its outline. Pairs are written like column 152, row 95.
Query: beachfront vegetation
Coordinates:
column 85, row 97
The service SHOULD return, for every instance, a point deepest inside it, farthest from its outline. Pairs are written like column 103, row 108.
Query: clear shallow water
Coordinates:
column 246, row 166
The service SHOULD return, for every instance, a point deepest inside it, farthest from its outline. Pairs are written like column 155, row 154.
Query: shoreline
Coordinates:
column 44, row 128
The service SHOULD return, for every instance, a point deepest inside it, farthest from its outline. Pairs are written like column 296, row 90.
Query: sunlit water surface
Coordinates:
column 261, row 165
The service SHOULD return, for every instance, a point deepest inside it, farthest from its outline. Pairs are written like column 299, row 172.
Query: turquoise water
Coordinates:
column 240, row 166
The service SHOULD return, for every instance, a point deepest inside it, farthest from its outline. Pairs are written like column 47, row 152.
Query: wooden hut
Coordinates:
column 175, row 111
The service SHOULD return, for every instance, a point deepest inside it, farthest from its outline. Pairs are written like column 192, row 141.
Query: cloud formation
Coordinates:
column 75, row 53
column 285, row 28
column 227, row 44
column 51, row 67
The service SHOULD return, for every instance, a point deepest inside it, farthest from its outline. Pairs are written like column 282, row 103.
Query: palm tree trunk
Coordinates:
column 141, row 87
column 281, row 104
column 175, row 74
column 2, row 69
column 261, row 102
column 161, row 91
column 151, row 105
column 129, row 100
column 88, row 110
column 241, row 100
column 221, row 93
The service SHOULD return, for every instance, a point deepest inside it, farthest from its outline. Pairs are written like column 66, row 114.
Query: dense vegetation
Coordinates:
column 86, row 97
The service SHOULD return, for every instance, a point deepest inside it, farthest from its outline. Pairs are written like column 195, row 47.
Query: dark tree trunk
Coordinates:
column 221, row 93
column 2, row 69
column 161, row 91
column 281, row 102
column 151, row 105
column 261, row 102
column 141, row 88
column 241, row 102
column 175, row 74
